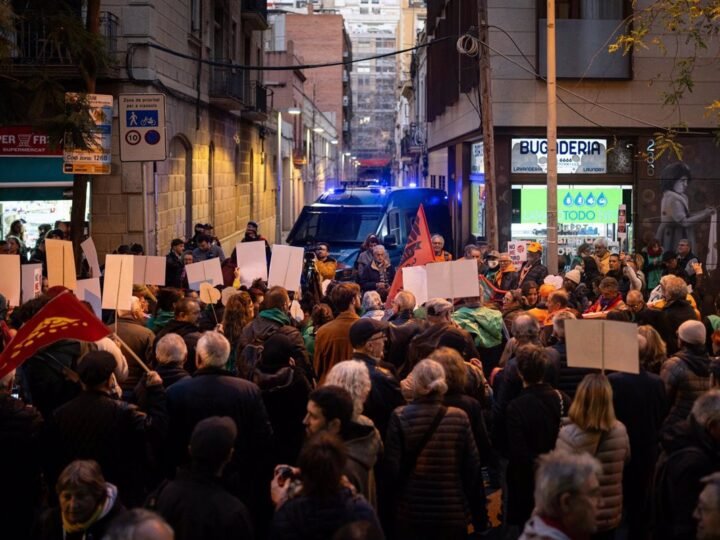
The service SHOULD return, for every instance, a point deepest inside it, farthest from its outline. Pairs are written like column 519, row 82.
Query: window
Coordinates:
column 441, row 183
column 195, row 16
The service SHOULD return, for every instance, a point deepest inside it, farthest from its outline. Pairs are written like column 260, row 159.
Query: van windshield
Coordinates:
column 334, row 225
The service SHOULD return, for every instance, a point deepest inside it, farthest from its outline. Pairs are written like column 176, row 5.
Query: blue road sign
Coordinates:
column 135, row 118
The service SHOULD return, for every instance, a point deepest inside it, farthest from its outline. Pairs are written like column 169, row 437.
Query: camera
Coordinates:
column 286, row 473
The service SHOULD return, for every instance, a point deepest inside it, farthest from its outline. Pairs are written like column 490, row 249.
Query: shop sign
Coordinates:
column 477, row 160
column 96, row 159
column 574, row 156
column 23, row 141
column 594, row 205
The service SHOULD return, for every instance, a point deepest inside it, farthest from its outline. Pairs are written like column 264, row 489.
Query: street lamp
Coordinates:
column 294, row 111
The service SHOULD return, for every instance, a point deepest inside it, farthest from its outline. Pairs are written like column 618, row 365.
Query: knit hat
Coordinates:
column 212, row 439
column 574, row 276
column 692, row 332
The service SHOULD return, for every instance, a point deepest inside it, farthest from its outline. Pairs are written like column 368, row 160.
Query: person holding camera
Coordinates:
column 324, row 264
column 315, row 499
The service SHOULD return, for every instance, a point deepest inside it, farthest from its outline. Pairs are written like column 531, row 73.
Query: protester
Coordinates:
column 174, row 264
column 433, row 495
column 184, row 323
column 137, row 338
column 602, row 255
column 139, row 524
column 206, row 250
column 506, row 278
column 403, row 327
column 372, row 306
column 171, row 354
column 88, row 504
column 164, row 310
column 324, row 264
column 195, row 504
column 366, row 253
column 532, row 269
column 438, row 243
column 238, row 313
column 319, row 315
column 707, row 511
column 609, row 299
column 332, row 342
column 675, row 311
column 379, row 274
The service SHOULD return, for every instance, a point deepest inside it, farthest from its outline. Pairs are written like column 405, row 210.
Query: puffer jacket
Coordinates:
column 686, row 376
column 612, row 449
column 446, row 483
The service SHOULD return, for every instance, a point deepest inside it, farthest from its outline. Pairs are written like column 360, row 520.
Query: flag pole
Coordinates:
column 132, row 353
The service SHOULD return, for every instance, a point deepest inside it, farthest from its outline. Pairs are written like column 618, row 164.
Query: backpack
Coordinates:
column 249, row 359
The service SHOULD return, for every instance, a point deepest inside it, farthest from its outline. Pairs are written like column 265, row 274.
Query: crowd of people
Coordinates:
column 280, row 415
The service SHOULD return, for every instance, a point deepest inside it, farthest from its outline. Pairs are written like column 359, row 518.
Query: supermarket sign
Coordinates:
column 594, row 205
column 24, row 141
column 574, row 156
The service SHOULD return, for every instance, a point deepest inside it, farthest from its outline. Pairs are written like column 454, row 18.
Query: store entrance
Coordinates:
column 585, row 213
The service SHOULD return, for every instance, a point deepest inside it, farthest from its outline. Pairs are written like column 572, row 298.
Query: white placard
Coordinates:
column 600, row 344
column 517, row 251
column 415, row 281
column 10, row 282
column 454, row 279
column 118, row 284
column 31, row 281
column 209, row 271
column 89, row 290
column 60, row 263
column 88, row 247
column 149, row 270
column 251, row 261
column 286, row 267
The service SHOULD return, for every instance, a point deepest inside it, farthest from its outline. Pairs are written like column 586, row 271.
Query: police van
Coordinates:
column 343, row 217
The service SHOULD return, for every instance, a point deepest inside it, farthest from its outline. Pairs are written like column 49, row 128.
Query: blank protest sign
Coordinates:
column 60, row 263
column 286, row 267
column 251, row 261
column 118, row 284
column 199, row 272
column 149, row 270
column 415, row 281
column 454, row 279
column 10, row 282
column 601, row 344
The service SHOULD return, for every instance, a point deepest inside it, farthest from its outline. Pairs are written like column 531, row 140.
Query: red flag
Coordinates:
column 418, row 251
column 63, row 317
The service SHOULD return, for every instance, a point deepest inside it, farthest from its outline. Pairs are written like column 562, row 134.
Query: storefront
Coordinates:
column 32, row 185
column 595, row 178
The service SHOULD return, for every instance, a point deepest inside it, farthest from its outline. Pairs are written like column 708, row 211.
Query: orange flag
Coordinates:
column 63, row 317
column 418, row 251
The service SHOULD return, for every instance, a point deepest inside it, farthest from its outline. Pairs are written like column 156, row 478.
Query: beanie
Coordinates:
column 574, row 276
column 692, row 332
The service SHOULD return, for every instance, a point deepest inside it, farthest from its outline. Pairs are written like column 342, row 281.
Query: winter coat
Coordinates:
column 403, row 327
column 215, row 392
column 50, row 527
column 173, row 270
column 140, row 340
column 426, row 342
column 372, row 275
column 532, row 272
column 538, row 529
column 171, row 373
column 612, row 449
column 568, row 377
column 446, row 483
column 332, row 343
column 197, row 507
column 363, row 444
column 384, row 394
column 474, row 410
column 262, row 327
column 686, row 376
column 311, row 518
column 688, row 455
column 533, row 424
column 672, row 316
column 114, row 433
column 20, row 450
column 285, row 395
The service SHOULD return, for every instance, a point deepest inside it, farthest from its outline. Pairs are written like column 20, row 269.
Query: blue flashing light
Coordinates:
column 412, row 184
column 383, row 191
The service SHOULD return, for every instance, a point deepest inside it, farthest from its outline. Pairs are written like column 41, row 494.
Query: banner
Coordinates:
column 418, row 251
column 63, row 317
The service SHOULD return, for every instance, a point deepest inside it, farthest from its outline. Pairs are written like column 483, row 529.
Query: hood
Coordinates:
column 276, row 315
column 698, row 362
column 363, row 443
column 112, row 495
column 537, row 529
column 272, row 382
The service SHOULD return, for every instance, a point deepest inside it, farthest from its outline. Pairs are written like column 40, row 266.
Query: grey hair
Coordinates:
column 440, row 236
column 134, row 304
column 470, row 248
column 601, row 242
column 428, row 378
column 561, row 472
column 706, row 408
column 405, row 300
column 126, row 526
column 212, row 350
column 378, row 248
column 353, row 376
column 371, row 300
column 675, row 289
column 559, row 322
column 525, row 327
column 171, row 349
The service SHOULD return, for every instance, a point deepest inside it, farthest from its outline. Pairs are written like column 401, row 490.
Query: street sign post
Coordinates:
column 142, row 127
column 97, row 159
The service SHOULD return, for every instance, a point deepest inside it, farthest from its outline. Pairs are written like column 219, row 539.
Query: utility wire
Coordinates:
column 216, row 63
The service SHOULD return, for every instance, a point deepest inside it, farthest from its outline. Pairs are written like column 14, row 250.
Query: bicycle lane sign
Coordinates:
column 142, row 127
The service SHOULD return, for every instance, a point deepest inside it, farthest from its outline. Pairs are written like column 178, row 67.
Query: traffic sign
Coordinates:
column 142, row 127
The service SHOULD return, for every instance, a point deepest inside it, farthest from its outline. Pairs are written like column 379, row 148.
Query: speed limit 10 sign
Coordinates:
column 142, row 127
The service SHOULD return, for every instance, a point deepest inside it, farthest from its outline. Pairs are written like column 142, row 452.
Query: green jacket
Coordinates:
column 483, row 323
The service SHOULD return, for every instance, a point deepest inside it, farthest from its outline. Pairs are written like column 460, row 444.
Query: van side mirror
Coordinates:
column 390, row 242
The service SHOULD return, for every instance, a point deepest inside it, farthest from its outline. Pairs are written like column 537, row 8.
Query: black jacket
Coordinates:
column 311, row 518
column 533, row 424
column 689, row 454
column 197, row 507
column 260, row 329
column 474, row 410
column 189, row 332
column 672, row 316
column 215, row 392
column 171, row 373
column 384, row 394
column 114, row 433
column 173, row 270
column 403, row 327
column 536, row 273
column 568, row 377
column 20, row 450
column 426, row 341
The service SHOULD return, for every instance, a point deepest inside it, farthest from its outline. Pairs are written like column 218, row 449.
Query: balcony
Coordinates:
column 234, row 90
column 55, row 44
column 411, row 147
column 254, row 14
